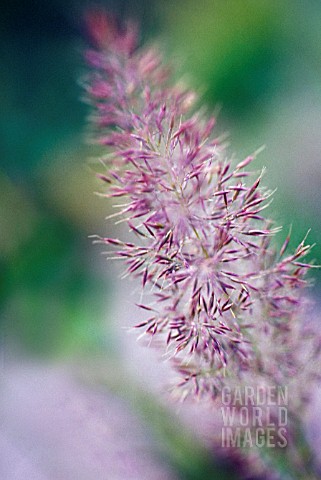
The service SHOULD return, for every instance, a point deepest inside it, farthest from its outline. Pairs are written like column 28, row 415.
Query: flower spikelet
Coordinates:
column 202, row 243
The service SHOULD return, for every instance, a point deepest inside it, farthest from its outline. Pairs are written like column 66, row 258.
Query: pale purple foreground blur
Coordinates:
column 53, row 427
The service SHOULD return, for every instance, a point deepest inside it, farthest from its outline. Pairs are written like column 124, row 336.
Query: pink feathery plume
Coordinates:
column 225, row 303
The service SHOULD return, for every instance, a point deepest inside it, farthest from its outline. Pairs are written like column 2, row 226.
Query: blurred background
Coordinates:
column 257, row 63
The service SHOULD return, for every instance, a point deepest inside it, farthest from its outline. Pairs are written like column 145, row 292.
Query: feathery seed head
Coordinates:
column 203, row 245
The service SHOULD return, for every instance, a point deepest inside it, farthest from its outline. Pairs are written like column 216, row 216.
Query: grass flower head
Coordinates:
column 225, row 302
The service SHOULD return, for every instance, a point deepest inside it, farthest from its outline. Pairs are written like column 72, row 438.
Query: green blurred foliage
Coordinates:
column 53, row 305
column 53, row 298
column 245, row 52
column 232, row 47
